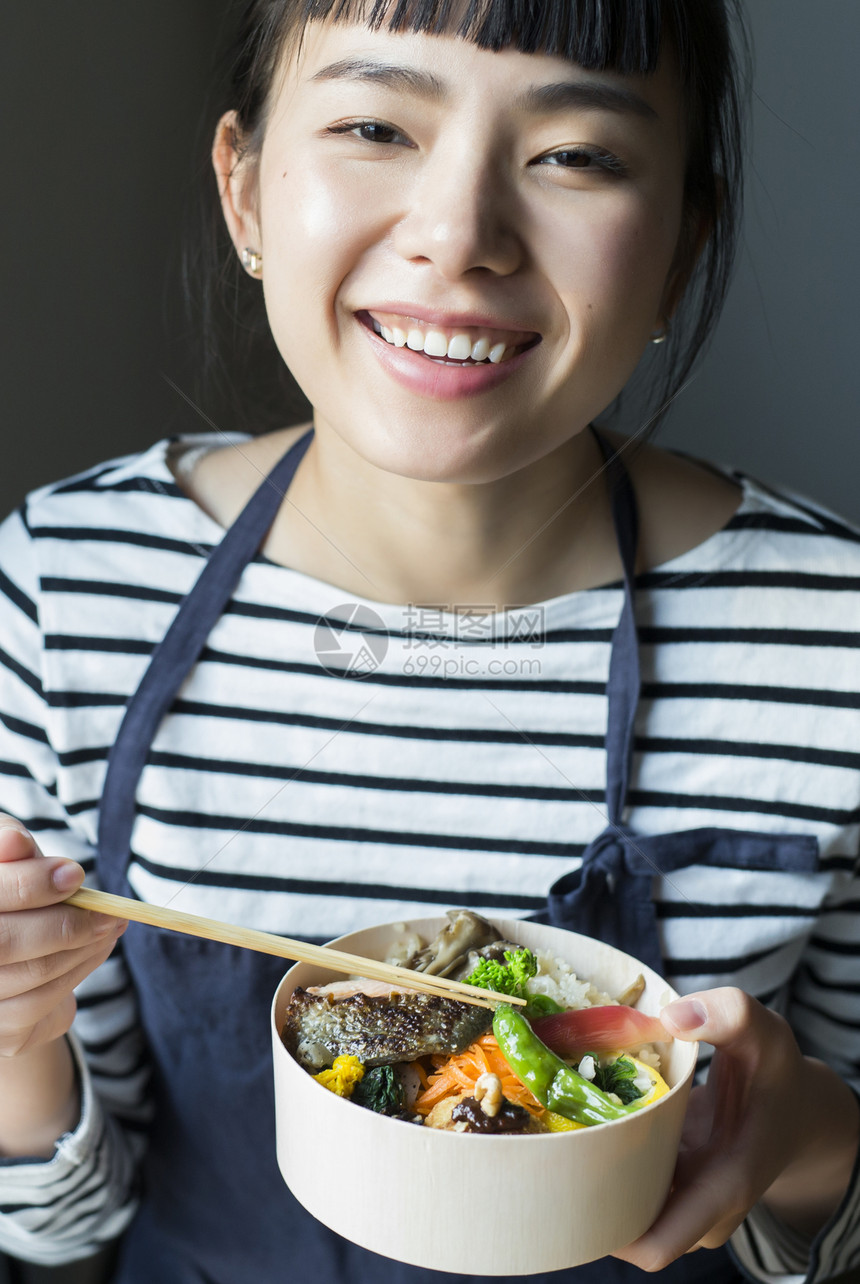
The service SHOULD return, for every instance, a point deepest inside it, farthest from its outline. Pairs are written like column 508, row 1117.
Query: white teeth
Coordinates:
column 435, row 344
column 460, row 347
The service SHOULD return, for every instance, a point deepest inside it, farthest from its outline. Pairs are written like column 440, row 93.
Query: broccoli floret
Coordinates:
column 509, row 977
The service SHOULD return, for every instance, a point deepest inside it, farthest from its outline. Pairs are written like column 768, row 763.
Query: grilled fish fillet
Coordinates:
column 376, row 1023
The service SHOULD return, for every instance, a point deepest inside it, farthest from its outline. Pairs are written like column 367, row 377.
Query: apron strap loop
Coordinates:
column 609, row 898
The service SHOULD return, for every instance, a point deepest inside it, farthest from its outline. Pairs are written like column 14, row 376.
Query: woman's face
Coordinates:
column 464, row 252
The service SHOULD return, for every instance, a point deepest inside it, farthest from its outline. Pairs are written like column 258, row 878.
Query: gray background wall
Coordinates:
column 101, row 112
column 780, row 390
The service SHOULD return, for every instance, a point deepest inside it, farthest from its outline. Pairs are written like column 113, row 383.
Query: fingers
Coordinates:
column 32, row 884
column 33, row 973
column 16, row 842
column 29, row 884
column 47, row 947
column 707, row 1186
column 26, row 882
column 31, row 934
column 46, row 1011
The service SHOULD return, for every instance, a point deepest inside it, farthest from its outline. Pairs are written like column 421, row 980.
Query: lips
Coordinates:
column 444, row 378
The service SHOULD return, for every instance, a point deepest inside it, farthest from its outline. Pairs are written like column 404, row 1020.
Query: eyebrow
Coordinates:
column 540, row 99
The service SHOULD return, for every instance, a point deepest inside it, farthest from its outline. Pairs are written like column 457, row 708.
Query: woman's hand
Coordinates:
column 769, row 1124
column 46, row 948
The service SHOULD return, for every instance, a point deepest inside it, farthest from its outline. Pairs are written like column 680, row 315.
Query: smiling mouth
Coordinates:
column 449, row 345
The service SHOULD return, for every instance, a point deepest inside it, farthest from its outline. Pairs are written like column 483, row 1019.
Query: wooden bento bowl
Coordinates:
column 463, row 1202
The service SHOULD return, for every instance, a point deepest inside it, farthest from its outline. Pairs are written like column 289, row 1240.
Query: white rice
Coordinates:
column 558, row 981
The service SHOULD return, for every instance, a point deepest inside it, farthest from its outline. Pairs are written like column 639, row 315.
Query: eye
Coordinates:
column 370, row 131
column 583, row 158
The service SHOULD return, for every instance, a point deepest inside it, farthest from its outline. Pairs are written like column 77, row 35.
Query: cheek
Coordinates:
column 312, row 233
column 305, row 221
column 612, row 281
column 618, row 261
column 638, row 258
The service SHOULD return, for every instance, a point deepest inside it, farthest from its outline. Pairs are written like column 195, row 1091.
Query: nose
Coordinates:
column 461, row 217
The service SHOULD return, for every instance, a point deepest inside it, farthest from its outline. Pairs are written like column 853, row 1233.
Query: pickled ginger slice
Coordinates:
column 613, row 1028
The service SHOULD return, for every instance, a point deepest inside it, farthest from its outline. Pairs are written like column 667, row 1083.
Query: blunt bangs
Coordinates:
column 596, row 34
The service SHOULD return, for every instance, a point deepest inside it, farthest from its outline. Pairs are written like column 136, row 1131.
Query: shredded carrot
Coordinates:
column 452, row 1075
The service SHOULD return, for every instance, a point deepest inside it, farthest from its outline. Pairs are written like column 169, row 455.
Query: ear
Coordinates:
column 237, row 187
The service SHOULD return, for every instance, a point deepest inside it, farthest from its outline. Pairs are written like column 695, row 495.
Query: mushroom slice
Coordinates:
column 630, row 996
column 464, row 931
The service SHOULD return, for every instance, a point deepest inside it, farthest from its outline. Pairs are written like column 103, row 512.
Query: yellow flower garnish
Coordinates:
column 344, row 1074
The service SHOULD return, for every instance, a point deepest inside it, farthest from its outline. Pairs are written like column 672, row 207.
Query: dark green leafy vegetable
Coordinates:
column 505, row 978
column 381, row 1090
column 618, row 1077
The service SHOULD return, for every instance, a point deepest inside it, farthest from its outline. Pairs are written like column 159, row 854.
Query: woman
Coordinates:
column 468, row 224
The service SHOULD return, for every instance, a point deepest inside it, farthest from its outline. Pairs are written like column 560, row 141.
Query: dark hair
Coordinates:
column 626, row 36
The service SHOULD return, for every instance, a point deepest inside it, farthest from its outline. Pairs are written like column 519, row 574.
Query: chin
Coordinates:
column 431, row 452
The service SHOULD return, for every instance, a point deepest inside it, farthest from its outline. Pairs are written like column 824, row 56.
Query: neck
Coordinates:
column 536, row 533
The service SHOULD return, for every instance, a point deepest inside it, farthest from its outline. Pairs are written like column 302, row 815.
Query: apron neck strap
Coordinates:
column 624, row 682
column 178, row 652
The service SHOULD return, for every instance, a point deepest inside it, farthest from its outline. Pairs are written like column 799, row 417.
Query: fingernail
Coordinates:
column 102, row 923
column 686, row 1014
column 67, row 877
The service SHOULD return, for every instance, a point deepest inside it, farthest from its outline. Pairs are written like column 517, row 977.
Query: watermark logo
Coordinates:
column 351, row 639
column 429, row 626
column 432, row 641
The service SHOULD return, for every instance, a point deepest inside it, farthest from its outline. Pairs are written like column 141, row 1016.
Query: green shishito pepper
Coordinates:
column 555, row 1084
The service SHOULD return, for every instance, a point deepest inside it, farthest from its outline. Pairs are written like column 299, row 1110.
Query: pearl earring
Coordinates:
column 660, row 336
column 252, row 260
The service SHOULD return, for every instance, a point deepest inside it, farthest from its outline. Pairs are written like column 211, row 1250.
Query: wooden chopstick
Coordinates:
column 268, row 943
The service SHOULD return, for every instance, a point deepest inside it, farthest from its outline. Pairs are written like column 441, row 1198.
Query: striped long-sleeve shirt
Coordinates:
column 332, row 763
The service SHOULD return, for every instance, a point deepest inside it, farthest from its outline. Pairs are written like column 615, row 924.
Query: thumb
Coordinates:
column 16, row 842
column 726, row 1017
column 686, row 1017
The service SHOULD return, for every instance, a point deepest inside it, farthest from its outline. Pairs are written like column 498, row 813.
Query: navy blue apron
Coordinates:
column 214, row 1208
